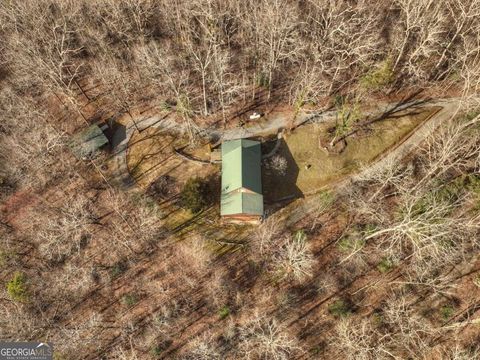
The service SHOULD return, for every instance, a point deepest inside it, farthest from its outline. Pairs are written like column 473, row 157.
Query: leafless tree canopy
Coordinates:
column 386, row 267
column 140, row 49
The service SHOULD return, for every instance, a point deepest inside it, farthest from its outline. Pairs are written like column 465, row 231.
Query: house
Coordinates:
column 86, row 143
column 241, row 197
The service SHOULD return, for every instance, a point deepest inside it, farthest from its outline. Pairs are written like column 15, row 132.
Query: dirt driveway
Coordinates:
column 449, row 108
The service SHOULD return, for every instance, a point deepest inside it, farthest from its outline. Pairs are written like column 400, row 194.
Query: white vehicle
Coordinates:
column 255, row 116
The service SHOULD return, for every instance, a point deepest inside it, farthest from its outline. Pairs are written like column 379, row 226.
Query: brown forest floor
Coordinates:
column 163, row 278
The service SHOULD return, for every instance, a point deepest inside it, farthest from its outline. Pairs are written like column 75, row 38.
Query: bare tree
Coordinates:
column 278, row 164
column 460, row 352
column 450, row 149
column 31, row 146
column 426, row 226
column 424, row 32
column 413, row 15
column 134, row 229
column 49, row 54
column 18, row 322
column 266, row 235
column 68, row 338
column 343, row 41
column 407, row 335
column 288, row 255
column 359, row 340
column 127, row 21
column 171, row 77
column 274, row 25
column 202, row 348
column 294, row 258
column 264, row 338
column 194, row 253
column 65, row 229
column 468, row 65
column 122, row 83
column 461, row 16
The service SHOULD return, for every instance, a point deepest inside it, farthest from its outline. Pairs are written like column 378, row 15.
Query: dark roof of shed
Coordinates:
column 87, row 142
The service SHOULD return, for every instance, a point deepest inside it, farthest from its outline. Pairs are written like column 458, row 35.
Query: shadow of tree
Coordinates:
column 278, row 187
column 116, row 133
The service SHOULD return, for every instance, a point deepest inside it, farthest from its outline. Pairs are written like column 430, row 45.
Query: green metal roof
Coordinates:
column 242, row 203
column 241, row 168
column 88, row 141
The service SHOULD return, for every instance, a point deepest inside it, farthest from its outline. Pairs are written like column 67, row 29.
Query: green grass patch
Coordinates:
column 311, row 167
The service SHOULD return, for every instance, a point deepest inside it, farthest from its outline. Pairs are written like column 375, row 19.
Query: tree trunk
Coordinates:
column 402, row 50
column 205, row 109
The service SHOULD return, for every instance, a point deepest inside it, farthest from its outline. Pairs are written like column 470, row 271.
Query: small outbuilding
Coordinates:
column 241, row 197
column 87, row 142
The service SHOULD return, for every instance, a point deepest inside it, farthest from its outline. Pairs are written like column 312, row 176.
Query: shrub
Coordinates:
column 118, row 269
column 447, row 312
column 129, row 299
column 351, row 244
column 348, row 113
column 156, row 350
column 385, row 265
column 6, row 257
column 194, row 195
column 17, row 287
column 340, row 308
column 224, row 312
column 167, row 105
column 379, row 77
column 163, row 186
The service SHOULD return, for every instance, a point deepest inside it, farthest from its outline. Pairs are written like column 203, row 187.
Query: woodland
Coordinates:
column 384, row 265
